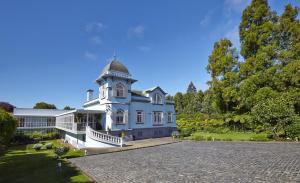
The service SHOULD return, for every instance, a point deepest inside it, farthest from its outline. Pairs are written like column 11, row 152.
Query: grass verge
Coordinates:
column 230, row 136
column 23, row 164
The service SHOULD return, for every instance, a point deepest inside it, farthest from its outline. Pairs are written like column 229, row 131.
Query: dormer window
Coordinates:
column 157, row 99
column 119, row 90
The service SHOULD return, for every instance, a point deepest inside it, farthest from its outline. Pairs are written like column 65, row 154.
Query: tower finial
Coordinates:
column 114, row 56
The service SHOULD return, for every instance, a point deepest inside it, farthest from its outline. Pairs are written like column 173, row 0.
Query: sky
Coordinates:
column 53, row 51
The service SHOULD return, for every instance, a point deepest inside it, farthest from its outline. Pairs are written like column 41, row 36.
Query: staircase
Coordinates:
column 102, row 137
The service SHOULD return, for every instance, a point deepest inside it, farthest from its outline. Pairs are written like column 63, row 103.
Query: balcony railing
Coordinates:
column 102, row 137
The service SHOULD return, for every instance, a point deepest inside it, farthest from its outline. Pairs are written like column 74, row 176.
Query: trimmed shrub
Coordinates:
column 49, row 146
column 60, row 151
column 175, row 134
column 37, row 147
column 20, row 138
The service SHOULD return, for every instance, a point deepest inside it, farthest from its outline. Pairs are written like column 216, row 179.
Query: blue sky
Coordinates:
column 53, row 51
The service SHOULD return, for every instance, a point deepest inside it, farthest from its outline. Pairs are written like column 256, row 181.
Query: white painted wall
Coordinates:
column 89, row 143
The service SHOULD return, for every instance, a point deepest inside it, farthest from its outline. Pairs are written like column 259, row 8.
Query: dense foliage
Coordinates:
column 27, row 138
column 44, row 105
column 7, row 107
column 256, row 88
column 8, row 125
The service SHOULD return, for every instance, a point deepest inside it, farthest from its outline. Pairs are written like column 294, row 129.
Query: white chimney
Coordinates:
column 89, row 95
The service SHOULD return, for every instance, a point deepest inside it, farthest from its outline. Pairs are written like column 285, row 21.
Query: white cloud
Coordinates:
column 144, row 48
column 90, row 56
column 95, row 27
column 137, row 31
column 206, row 19
column 96, row 40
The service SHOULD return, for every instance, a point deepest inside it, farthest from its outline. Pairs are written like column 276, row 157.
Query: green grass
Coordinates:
column 24, row 164
column 230, row 136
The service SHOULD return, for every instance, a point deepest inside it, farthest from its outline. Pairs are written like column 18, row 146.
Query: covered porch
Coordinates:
column 76, row 121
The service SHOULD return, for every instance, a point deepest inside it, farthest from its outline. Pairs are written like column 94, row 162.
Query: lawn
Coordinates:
column 23, row 164
column 230, row 136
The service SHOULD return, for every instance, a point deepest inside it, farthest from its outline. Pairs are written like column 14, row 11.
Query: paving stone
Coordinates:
column 190, row 161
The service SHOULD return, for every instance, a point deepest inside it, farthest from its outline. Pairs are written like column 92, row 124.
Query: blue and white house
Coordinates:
column 117, row 110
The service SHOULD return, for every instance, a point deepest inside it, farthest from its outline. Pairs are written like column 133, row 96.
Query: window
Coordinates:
column 170, row 117
column 120, row 90
column 50, row 121
column 21, row 121
column 139, row 116
column 157, row 118
column 157, row 98
column 120, row 117
column 103, row 91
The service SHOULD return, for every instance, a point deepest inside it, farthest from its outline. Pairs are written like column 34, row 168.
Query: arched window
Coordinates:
column 157, row 98
column 120, row 117
column 120, row 90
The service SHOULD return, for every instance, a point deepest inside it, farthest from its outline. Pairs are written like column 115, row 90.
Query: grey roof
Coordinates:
column 37, row 112
column 154, row 88
column 82, row 111
column 139, row 93
column 115, row 65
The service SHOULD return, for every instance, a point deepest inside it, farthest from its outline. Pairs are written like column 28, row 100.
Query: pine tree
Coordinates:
column 191, row 88
column 257, row 38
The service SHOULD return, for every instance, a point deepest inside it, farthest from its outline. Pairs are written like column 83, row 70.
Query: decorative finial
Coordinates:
column 114, row 56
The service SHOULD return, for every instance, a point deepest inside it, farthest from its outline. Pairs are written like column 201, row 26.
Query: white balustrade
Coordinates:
column 102, row 137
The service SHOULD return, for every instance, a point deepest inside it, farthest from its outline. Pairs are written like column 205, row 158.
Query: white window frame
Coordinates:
column 120, row 90
column 139, row 116
column 170, row 117
column 157, row 118
column 103, row 91
column 157, row 98
column 119, row 117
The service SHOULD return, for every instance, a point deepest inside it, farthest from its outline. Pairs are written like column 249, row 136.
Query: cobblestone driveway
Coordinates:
column 198, row 162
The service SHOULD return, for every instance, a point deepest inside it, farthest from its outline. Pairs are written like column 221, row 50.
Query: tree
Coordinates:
column 222, row 60
column 7, row 107
column 206, row 105
column 275, row 113
column 288, row 35
column 256, row 28
column 191, row 88
column 68, row 108
column 178, row 99
column 8, row 125
column 222, row 65
column 44, row 105
column 169, row 97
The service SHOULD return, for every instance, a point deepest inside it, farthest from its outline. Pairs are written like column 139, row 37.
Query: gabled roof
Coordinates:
column 154, row 88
